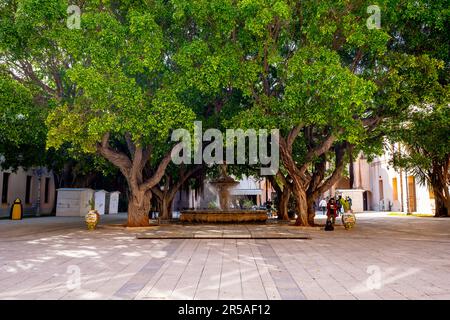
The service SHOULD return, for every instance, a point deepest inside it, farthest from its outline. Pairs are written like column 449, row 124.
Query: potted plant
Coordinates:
column 212, row 205
column 93, row 217
column 247, row 204
column 348, row 218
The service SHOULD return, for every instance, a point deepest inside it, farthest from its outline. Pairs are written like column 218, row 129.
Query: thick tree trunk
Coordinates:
column 301, row 205
column 283, row 204
column 165, row 207
column 298, row 190
column 311, row 211
column 442, row 205
column 139, row 202
column 163, row 212
column 283, row 194
column 165, row 197
column 439, row 182
column 164, row 200
column 302, row 179
column 169, row 209
column 138, row 208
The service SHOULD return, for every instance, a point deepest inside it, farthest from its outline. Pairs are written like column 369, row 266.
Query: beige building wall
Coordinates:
column 17, row 182
column 362, row 173
column 390, row 189
column 387, row 189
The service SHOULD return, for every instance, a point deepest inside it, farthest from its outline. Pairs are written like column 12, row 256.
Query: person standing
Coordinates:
column 332, row 210
column 323, row 206
column 349, row 200
column 339, row 205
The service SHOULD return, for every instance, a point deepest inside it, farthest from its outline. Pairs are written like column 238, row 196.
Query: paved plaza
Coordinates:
column 384, row 257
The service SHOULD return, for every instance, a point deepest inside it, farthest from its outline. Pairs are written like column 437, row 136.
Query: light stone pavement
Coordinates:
column 383, row 257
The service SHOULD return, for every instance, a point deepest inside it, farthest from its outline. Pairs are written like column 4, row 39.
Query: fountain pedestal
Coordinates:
column 221, row 216
column 225, row 213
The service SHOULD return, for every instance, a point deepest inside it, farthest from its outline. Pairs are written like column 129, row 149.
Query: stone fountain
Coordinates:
column 224, row 213
column 223, row 185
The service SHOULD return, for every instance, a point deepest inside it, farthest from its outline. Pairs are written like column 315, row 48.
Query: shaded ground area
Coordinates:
column 384, row 257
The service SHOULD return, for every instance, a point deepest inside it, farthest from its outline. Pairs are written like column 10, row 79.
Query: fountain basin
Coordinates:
column 229, row 215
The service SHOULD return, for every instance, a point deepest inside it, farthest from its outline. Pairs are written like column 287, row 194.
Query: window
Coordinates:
column 28, row 190
column 412, row 194
column 394, row 187
column 380, row 188
column 431, row 192
column 5, row 187
column 46, row 190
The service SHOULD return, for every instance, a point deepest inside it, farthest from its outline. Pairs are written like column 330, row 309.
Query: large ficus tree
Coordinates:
column 422, row 132
column 111, row 81
column 275, row 64
column 317, row 71
column 424, row 150
column 32, row 82
column 323, row 74
column 22, row 126
column 124, row 79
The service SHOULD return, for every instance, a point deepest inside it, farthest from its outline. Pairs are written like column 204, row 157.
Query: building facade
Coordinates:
column 387, row 189
column 259, row 191
column 396, row 190
column 35, row 188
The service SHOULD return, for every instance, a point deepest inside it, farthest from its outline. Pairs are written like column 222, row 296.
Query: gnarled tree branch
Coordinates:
column 156, row 177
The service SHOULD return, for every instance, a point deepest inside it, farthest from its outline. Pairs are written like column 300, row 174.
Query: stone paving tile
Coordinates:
column 208, row 286
column 202, row 231
column 264, row 273
column 188, row 282
column 286, row 286
column 411, row 255
column 230, row 276
column 165, row 283
column 137, row 282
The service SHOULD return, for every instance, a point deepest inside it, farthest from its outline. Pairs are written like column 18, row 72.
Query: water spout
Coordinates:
column 223, row 185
